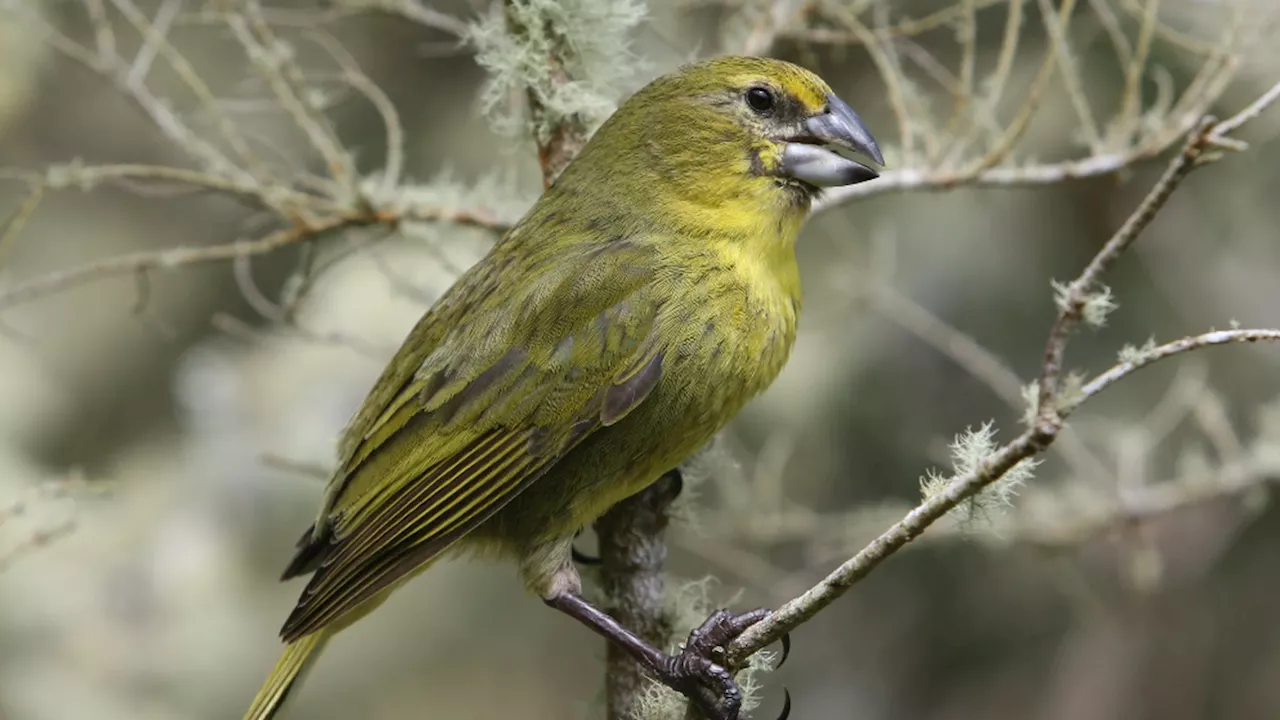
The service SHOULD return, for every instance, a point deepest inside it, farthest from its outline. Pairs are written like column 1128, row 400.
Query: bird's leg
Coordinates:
column 693, row 671
column 696, row 671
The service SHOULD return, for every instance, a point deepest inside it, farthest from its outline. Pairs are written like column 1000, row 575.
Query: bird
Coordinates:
column 646, row 296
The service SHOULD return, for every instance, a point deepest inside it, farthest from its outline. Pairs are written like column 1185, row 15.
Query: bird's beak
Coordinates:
column 810, row 156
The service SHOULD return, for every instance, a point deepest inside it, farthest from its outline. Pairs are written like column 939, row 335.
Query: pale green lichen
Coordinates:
column 970, row 451
column 1131, row 354
column 517, row 41
column 1095, row 307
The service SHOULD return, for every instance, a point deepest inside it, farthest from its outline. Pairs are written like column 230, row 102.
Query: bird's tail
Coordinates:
column 298, row 657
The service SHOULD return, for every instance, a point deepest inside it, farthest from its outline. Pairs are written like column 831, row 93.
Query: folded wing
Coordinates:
column 504, row 376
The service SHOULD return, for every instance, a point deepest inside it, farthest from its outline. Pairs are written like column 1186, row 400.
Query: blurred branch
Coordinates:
column 45, row 532
column 171, row 258
column 910, row 180
column 767, row 27
column 274, row 62
column 305, row 207
column 971, row 147
column 983, row 365
column 1081, row 301
column 412, row 10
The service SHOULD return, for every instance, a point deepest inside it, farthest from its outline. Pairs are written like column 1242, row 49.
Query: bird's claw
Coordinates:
column 786, row 705
column 696, row 671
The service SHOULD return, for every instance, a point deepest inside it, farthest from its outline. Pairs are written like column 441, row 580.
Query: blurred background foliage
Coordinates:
column 157, row 433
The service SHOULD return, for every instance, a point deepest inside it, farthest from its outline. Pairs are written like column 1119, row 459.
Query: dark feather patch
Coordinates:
column 311, row 552
column 621, row 398
column 513, row 358
column 403, row 534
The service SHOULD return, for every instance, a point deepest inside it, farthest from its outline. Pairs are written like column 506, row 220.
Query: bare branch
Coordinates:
column 1168, row 350
column 14, row 224
column 1077, row 294
column 895, row 181
column 167, row 259
column 275, row 64
column 771, row 23
column 412, row 10
column 393, row 168
column 130, row 78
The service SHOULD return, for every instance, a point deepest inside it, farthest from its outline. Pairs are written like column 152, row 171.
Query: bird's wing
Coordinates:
column 525, row 371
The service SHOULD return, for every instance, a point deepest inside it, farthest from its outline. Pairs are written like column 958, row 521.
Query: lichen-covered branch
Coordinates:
column 633, row 556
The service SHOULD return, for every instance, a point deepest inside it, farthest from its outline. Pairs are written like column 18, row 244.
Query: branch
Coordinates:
column 1146, row 357
column 165, row 259
column 565, row 137
column 413, row 11
column 42, row 532
column 770, row 24
column 632, row 556
column 274, row 62
column 973, row 146
column 1031, row 442
column 132, row 263
column 911, row 179
column 1074, row 307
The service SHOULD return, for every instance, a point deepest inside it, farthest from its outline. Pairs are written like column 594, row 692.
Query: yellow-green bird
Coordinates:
column 644, row 299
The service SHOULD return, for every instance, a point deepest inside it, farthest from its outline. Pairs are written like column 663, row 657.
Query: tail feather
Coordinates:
column 297, row 659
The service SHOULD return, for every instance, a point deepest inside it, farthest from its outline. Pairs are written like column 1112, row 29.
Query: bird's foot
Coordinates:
column 697, row 671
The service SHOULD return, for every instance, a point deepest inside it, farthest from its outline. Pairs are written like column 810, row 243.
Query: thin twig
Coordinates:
column 770, row 24
column 412, row 10
column 910, row 180
column 166, row 259
column 393, row 167
column 15, row 223
column 132, row 82
column 1131, row 105
column 1078, row 293
column 1177, row 347
column 275, row 64
column 1057, row 26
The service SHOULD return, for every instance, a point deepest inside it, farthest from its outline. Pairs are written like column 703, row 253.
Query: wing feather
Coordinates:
column 429, row 514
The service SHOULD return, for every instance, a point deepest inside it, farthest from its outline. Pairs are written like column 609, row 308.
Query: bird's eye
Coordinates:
column 760, row 99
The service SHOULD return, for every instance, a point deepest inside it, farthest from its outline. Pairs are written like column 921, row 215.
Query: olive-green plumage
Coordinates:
column 645, row 298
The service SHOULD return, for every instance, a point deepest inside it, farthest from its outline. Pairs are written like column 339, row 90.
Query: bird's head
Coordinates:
column 735, row 135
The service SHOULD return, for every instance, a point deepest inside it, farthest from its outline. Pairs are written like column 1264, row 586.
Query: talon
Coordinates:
column 786, row 704
column 786, row 650
column 694, row 672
